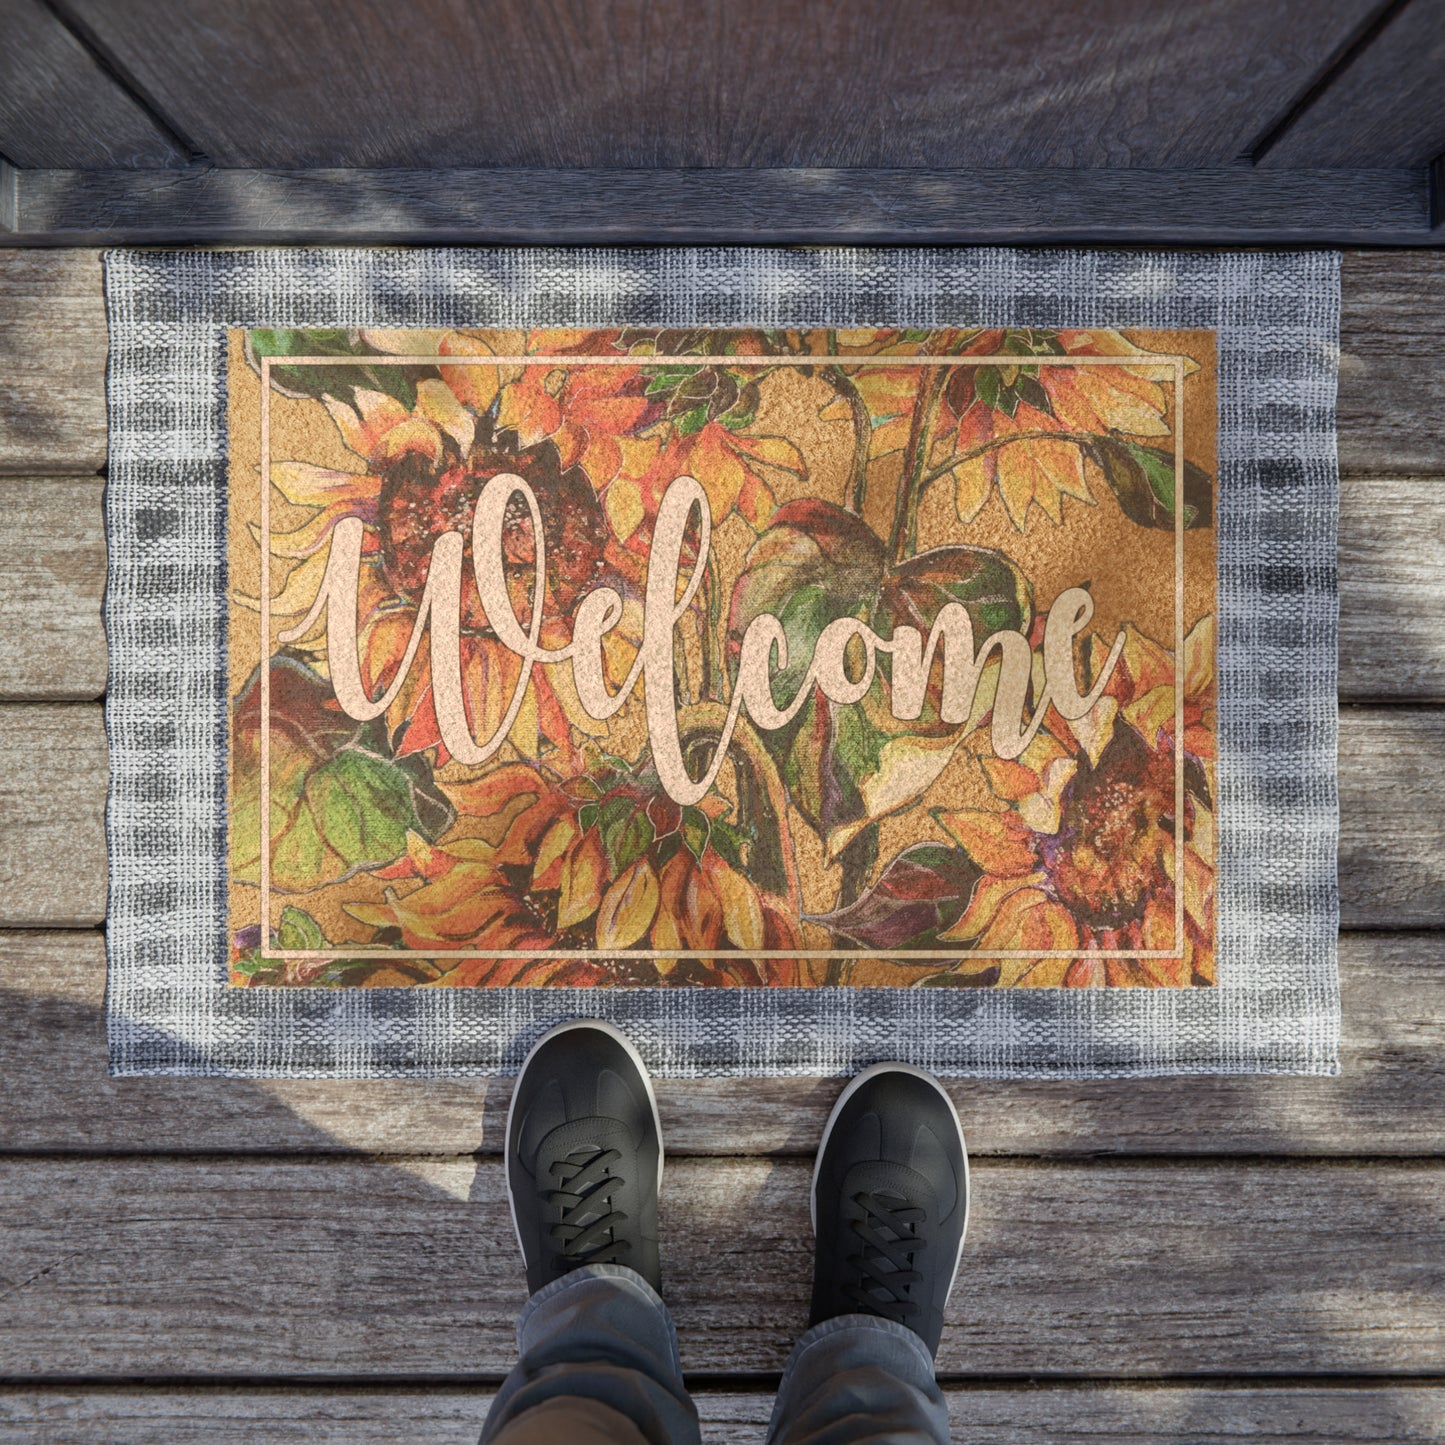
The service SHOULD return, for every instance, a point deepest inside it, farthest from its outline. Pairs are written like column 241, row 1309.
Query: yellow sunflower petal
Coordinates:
column 742, row 910
column 623, row 504
column 628, row 907
column 998, row 842
column 415, row 434
column 972, row 483
column 436, row 401
column 1199, row 657
column 305, row 485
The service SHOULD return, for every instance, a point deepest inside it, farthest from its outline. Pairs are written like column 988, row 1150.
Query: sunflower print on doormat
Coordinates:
column 745, row 658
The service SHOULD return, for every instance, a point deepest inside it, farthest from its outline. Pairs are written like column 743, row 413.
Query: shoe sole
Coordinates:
column 853, row 1086
column 572, row 1024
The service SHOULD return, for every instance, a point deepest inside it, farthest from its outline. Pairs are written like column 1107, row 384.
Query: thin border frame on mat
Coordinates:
column 1174, row 365
column 1276, row 1007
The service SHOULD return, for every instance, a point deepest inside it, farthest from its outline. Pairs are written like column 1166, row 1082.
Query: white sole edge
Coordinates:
column 572, row 1024
column 856, row 1083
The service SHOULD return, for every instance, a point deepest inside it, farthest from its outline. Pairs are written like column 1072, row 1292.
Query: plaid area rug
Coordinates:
column 798, row 657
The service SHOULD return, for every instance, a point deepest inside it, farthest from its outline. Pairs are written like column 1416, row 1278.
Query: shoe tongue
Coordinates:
column 584, row 1135
column 882, row 1176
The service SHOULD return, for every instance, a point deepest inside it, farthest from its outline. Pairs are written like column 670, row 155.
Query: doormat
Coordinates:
column 798, row 657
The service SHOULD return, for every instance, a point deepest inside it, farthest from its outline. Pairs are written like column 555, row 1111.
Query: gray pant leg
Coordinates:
column 859, row 1380
column 597, row 1362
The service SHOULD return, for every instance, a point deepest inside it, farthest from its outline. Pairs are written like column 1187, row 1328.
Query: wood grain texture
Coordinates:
column 722, row 82
column 1392, row 582
column 53, row 778
column 1392, row 362
column 1386, row 107
column 52, row 808
column 58, row 107
column 1392, row 854
column 1024, row 1414
column 1391, row 570
column 52, row 576
column 296, row 1268
column 52, row 362
column 1389, row 1100
column 1215, row 206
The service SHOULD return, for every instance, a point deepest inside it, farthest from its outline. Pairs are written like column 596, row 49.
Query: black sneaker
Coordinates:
column 890, row 1201
column 584, row 1155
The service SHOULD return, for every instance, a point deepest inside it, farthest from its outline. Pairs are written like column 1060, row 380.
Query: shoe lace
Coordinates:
column 581, row 1191
column 888, row 1226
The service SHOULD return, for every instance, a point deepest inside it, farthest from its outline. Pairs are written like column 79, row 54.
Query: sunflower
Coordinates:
column 1080, row 851
column 1020, row 428
column 602, row 861
column 424, row 467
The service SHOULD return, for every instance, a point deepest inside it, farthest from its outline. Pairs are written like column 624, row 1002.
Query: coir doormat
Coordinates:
column 798, row 657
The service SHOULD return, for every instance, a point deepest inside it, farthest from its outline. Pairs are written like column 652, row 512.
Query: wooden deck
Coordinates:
column 1179, row 1260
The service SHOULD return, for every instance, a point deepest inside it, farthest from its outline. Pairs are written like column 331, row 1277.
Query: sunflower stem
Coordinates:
column 959, row 459
column 915, row 455
column 856, row 861
column 844, row 385
column 708, row 719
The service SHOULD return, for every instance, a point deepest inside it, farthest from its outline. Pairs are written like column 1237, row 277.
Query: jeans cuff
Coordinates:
column 626, row 1278
column 862, row 1324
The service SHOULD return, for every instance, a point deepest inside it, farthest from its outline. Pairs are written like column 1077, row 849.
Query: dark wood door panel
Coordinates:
column 1384, row 107
column 58, row 107
column 756, row 83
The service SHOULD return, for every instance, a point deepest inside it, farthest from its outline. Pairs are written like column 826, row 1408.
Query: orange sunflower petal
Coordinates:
column 584, row 875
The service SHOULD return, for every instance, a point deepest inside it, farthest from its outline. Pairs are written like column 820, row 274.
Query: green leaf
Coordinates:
column 1142, row 480
column 299, row 930
column 664, row 379
column 1029, row 388
column 804, row 616
column 336, row 806
column 692, row 421
column 696, row 829
column 355, row 812
column 340, row 382
column 988, row 385
column 254, row 962
column 730, row 843
column 626, row 832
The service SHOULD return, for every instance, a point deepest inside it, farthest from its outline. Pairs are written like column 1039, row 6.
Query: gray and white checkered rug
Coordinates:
column 1276, row 1006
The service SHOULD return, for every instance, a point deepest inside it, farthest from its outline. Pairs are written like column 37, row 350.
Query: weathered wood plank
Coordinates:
column 294, row 1268
column 1392, row 850
column 53, row 779
column 1384, row 107
column 52, row 576
column 1219, row 206
column 678, row 83
column 1390, row 1099
column 1392, row 364
column 52, row 815
column 1392, row 588
column 1391, row 565
column 1052, row 1414
column 58, row 107
column 52, row 362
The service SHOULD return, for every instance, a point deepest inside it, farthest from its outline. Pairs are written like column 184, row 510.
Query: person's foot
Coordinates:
column 890, row 1201
column 584, row 1155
